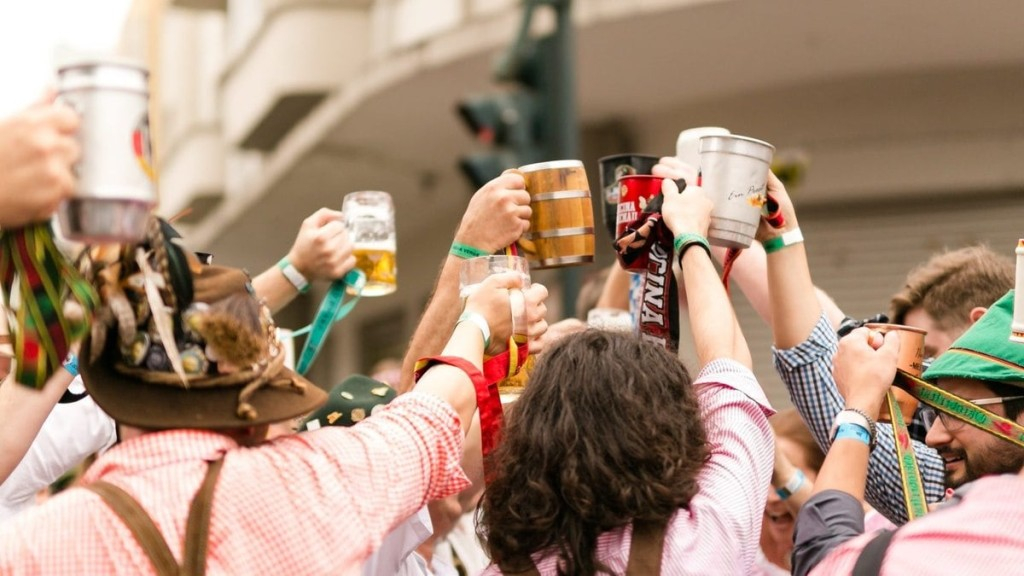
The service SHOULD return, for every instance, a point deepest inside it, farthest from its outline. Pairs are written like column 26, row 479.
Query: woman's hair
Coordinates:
column 607, row 431
column 789, row 425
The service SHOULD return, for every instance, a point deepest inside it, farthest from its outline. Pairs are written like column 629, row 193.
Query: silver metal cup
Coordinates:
column 734, row 174
column 115, row 190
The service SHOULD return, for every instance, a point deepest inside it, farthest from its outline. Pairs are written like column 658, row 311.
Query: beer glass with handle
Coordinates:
column 370, row 219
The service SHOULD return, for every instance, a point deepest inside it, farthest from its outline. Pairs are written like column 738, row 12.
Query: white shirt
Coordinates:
column 71, row 433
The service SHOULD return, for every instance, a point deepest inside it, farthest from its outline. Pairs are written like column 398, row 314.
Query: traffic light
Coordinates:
column 515, row 123
column 510, row 122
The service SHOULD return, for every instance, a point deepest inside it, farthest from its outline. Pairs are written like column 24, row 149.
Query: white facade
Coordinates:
column 911, row 115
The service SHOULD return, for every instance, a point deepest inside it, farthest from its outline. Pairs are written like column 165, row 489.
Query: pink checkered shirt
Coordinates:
column 983, row 534
column 312, row 503
column 718, row 533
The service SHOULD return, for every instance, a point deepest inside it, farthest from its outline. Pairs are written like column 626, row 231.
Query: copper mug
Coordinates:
column 911, row 360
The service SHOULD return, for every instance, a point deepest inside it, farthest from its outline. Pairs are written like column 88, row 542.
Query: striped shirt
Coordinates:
column 312, row 503
column 806, row 370
column 718, row 532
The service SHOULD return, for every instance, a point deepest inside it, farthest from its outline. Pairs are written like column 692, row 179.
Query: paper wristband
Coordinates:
column 480, row 322
column 293, row 275
column 910, row 472
column 794, row 236
column 854, row 432
column 791, row 487
column 687, row 240
column 71, row 364
column 466, row 251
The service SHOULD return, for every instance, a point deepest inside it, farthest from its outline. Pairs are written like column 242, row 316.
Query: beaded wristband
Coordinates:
column 686, row 240
column 466, row 251
column 293, row 275
column 794, row 236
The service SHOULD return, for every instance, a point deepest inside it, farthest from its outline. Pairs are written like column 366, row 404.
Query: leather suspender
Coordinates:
column 644, row 551
column 197, row 533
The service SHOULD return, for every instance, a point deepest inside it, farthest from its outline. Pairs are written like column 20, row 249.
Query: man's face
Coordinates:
column 937, row 340
column 970, row 453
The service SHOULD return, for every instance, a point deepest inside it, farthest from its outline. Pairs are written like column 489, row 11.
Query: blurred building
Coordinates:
column 909, row 114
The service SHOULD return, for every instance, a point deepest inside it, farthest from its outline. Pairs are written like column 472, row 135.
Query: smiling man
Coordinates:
column 986, row 369
column 981, row 533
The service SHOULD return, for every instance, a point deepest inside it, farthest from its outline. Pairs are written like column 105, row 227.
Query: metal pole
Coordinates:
column 565, row 142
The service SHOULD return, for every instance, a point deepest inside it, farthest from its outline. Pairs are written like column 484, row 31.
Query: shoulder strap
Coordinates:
column 141, row 525
column 197, row 533
column 869, row 563
column 646, row 548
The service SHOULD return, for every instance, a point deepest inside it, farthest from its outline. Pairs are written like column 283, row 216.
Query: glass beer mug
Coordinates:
column 370, row 219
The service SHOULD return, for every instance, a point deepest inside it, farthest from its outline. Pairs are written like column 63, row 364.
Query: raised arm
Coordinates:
column 37, row 150
column 22, row 413
column 864, row 368
column 321, row 251
column 805, row 342
column 497, row 216
column 715, row 329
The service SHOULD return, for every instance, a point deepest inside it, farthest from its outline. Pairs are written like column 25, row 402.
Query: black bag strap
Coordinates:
column 142, row 527
column 869, row 563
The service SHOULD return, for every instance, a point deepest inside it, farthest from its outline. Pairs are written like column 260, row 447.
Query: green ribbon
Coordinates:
column 333, row 308
column 36, row 281
column 910, row 472
column 961, row 409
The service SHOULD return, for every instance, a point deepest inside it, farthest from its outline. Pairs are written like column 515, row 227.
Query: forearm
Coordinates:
column 750, row 273
column 273, row 287
column 806, row 370
column 437, row 321
column 616, row 289
column 452, row 384
column 716, row 333
column 22, row 413
column 827, row 521
column 794, row 299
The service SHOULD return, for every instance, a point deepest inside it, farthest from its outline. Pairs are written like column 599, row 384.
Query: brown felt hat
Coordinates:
column 223, row 368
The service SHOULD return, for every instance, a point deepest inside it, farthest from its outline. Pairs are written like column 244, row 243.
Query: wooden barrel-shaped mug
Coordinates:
column 562, row 224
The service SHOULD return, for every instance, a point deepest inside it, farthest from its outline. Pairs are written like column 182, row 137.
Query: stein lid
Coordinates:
column 554, row 164
column 107, row 72
column 742, row 145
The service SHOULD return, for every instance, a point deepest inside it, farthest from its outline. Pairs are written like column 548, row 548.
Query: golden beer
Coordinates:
column 379, row 266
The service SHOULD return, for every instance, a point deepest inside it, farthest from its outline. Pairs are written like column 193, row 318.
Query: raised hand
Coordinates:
column 322, row 249
column 497, row 215
column 37, row 151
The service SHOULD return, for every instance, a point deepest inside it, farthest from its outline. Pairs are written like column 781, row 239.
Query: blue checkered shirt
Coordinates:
column 806, row 370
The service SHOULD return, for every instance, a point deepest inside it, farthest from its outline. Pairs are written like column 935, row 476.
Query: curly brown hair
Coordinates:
column 608, row 431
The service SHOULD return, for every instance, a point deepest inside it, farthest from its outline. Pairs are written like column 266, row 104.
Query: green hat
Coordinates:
column 985, row 351
column 351, row 401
